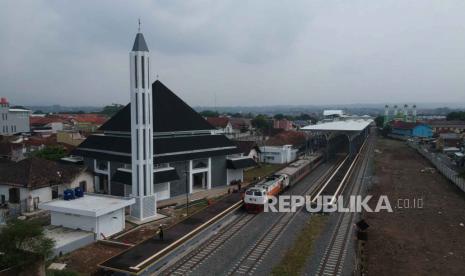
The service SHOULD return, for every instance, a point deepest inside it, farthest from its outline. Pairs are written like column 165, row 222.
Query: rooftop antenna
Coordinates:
column 138, row 29
column 157, row 76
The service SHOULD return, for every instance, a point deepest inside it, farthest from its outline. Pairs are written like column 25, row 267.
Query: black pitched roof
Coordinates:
column 170, row 114
column 139, row 44
column 241, row 163
column 166, row 149
column 162, row 176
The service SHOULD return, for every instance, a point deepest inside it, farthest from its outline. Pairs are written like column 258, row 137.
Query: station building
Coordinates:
column 157, row 147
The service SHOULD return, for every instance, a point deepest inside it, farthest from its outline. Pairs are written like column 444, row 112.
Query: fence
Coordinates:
column 445, row 170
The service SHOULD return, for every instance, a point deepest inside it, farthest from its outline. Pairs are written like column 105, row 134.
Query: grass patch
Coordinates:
column 261, row 171
column 295, row 257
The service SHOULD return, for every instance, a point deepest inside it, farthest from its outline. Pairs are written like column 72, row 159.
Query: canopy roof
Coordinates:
column 346, row 125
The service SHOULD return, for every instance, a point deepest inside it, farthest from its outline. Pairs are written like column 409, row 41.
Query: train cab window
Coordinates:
column 249, row 192
column 258, row 194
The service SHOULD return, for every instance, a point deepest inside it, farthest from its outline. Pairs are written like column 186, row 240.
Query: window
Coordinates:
column 201, row 163
column 145, row 179
column 54, row 192
column 83, row 186
column 137, row 108
column 13, row 195
column 143, row 108
column 143, row 145
column 102, row 165
column 143, row 72
column 137, row 144
column 148, row 75
column 135, row 71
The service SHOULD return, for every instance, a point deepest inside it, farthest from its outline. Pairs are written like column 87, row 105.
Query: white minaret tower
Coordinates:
column 141, row 131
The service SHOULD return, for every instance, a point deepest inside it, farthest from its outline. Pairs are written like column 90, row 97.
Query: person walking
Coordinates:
column 160, row 232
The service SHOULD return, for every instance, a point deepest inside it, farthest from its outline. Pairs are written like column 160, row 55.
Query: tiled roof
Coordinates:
column 218, row 122
column 290, row 137
column 40, row 121
column 246, row 146
column 34, row 173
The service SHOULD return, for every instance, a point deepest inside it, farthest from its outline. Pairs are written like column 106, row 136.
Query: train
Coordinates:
column 256, row 195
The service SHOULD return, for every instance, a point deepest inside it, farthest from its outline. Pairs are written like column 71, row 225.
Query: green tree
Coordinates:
column 38, row 112
column 111, row 110
column 22, row 242
column 379, row 120
column 209, row 113
column 261, row 122
column 456, row 115
column 279, row 116
column 51, row 153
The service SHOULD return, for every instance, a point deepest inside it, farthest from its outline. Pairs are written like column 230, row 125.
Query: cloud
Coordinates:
column 239, row 52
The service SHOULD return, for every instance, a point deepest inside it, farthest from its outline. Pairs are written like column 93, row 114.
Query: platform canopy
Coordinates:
column 343, row 125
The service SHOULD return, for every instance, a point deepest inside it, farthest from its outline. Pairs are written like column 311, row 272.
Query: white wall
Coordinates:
column 279, row 155
column 107, row 224
column 162, row 190
column 110, row 223
column 74, row 221
column 234, row 175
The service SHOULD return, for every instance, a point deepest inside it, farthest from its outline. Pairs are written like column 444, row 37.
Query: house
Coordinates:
column 283, row 124
column 411, row 129
column 70, row 137
column 49, row 124
column 440, row 126
column 17, row 148
column 88, row 122
column 222, row 124
column 451, row 139
column 283, row 147
column 249, row 149
column 278, row 154
column 13, row 119
column 24, row 184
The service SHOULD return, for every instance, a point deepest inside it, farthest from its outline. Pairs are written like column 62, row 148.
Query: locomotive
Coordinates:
column 256, row 196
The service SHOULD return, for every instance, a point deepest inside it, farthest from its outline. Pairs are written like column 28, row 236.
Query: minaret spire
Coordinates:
column 138, row 29
column 141, row 131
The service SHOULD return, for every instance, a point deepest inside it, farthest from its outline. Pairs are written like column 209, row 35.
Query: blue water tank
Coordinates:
column 68, row 194
column 78, row 192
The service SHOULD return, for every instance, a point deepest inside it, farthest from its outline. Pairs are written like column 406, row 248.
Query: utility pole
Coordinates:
column 187, row 191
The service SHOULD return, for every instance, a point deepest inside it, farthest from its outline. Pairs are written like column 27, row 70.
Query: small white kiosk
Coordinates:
column 102, row 215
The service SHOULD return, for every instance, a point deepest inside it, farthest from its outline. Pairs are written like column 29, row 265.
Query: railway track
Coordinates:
column 193, row 259
column 252, row 258
column 333, row 259
column 188, row 263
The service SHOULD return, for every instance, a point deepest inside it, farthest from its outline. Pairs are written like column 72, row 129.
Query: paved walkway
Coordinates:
column 135, row 256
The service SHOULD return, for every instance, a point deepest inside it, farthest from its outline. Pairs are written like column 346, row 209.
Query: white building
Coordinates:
column 102, row 215
column 13, row 120
column 25, row 184
column 278, row 154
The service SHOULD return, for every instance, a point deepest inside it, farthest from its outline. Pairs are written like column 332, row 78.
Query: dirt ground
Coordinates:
column 414, row 241
column 85, row 260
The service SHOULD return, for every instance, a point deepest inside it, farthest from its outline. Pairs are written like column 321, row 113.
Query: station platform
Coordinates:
column 141, row 256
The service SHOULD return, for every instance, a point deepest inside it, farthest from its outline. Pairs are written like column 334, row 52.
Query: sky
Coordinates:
column 236, row 53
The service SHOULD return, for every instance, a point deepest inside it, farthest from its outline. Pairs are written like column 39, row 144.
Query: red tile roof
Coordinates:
column 221, row 122
column 403, row 125
column 289, row 137
column 40, row 121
